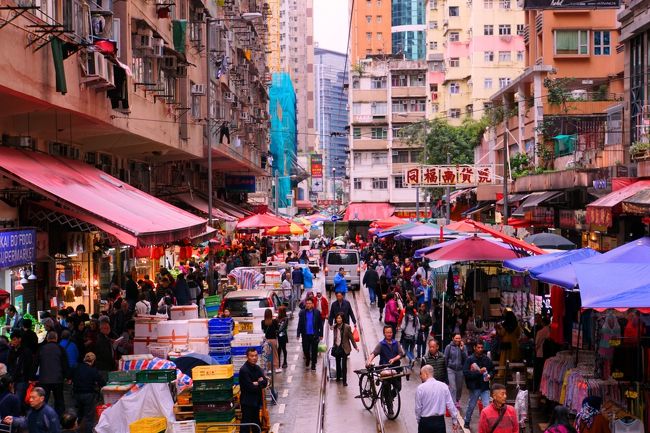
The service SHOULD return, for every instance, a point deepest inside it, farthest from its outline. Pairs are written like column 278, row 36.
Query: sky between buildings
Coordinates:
column 331, row 20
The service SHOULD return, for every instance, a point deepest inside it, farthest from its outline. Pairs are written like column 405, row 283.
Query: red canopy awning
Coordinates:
column 368, row 211
column 94, row 195
column 602, row 211
column 304, row 204
column 202, row 206
column 461, row 226
column 473, row 249
column 387, row 223
column 261, row 221
column 508, row 239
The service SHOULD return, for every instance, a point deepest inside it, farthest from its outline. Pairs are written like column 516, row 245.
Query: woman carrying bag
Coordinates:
column 343, row 343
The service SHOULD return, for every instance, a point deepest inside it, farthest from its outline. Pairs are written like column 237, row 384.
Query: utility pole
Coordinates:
column 208, row 71
column 448, row 213
column 505, row 172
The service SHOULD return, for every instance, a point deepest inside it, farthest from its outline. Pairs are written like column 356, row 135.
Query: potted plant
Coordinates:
column 640, row 150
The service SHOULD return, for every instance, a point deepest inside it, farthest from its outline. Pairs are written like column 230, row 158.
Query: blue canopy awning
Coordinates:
column 523, row 264
column 424, row 230
column 613, row 285
column 637, row 251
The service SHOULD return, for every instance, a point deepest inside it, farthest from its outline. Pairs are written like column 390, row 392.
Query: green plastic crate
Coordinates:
column 211, row 396
column 155, row 376
column 213, row 385
column 121, row 376
column 211, row 301
column 214, row 416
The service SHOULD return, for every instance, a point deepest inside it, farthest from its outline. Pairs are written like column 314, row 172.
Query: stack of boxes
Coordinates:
column 219, row 339
column 212, row 305
column 213, row 397
column 240, row 344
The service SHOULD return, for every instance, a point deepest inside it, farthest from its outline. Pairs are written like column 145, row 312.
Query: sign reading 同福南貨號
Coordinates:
column 449, row 175
column 571, row 4
column 17, row 247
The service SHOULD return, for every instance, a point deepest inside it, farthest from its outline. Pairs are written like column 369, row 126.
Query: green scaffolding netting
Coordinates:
column 282, row 102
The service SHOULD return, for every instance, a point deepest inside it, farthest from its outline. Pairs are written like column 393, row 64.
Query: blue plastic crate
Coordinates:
column 220, row 351
column 241, row 350
column 220, row 325
column 222, row 359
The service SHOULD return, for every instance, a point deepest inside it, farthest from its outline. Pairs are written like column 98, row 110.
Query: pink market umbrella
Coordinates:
column 473, row 249
column 261, row 221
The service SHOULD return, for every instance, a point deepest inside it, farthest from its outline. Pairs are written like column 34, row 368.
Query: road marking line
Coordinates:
column 293, row 367
column 289, row 379
column 275, row 428
column 281, row 408
column 295, row 357
column 285, row 393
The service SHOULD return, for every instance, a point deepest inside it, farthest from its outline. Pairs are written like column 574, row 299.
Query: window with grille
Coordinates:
column 488, row 56
column 454, row 88
column 454, row 36
column 454, row 113
column 488, row 30
column 487, row 83
column 504, row 56
column 379, row 183
column 504, row 29
column 379, row 133
column 454, row 11
column 601, row 43
column 454, row 62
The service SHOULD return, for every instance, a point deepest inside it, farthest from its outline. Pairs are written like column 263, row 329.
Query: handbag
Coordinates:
column 355, row 335
column 30, row 388
column 337, row 351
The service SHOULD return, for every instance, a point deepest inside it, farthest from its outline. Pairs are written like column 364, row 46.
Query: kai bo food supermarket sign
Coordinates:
column 449, row 175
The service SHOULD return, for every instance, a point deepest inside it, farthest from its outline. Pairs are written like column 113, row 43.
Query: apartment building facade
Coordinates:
column 386, row 95
column 370, row 29
column 408, row 31
column 290, row 49
column 473, row 49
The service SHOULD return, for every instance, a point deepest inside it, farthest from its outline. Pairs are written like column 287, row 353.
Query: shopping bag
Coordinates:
column 30, row 388
column 322, row 347
column 355, row 335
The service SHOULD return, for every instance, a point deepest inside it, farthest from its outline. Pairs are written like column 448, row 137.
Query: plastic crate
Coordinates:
column 155, row 376
column 212, row 300
column 121, row 376
column 212, row 311
column 148, row 425
column 200, row 397
column 159, row 350
column 182, row 426
column 214, row 416
column 213, row 385
column 222, row 406
column 207, row 372
column 241, row 350
column 222, row 359
column 212, row 427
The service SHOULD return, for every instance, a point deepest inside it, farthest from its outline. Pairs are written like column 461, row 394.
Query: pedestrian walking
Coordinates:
column 371, row 281
column 498, row 417
column 424, row 317
column 86, row 383
column 455, row 357
column 40, row 419
column 283, row 334
column 53, row 370
column 308, row 278
column 341, row 305
column 181, row 290
column 270, row 327
column 559, row 422
column 103, row 349
column 436, row 360
column 381, row 296
column 343, row 343
column 391, row 312
column 20, row 364
column 310, row 331
column 478, row 371
column 322, row 304
column 589, row 419
column 298, row 280
column 143, row 306
column 71, row 349
column 340, row 284
column 10, row 405
column 410, row 327
column 252, row 382
column 432, row 399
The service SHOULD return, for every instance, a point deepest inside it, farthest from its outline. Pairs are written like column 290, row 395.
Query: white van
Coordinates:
column 351, row 264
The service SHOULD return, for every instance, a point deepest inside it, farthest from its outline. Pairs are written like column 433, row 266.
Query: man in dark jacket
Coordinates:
column 478, row 370
column 86, row 381
column 252, row 383
column 310, row 329
column 29, row 338
column 104, row 349
column 131, row 289
column 20, row 364
column 182, row 291
column 40, row 419
column 53, row 370
column 435, row 359
column 341, row 305
column 371, row 281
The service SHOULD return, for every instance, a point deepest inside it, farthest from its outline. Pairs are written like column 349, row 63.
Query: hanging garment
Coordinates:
column 631, row 425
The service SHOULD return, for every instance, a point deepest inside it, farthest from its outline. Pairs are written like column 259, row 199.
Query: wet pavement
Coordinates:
column 300, row 395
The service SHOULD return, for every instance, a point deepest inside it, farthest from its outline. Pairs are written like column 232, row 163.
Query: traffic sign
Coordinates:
column 335, row 218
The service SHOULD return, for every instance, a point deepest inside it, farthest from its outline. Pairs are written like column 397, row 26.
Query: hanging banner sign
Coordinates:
column 571, row 4
column 17, row 248
column 449, row 175
column 316, row 162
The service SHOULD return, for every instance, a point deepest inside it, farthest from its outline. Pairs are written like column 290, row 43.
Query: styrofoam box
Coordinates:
column 141, row 345
column 174, row 332
column 147, row 327
column 199, row 345
column 197, row 328
column 184, row 312
column 272, row 277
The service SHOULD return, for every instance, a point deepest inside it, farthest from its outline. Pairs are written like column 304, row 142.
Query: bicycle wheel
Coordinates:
column 366, row 391
column 389, row 402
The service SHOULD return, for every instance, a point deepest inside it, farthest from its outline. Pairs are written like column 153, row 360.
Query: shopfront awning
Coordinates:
column 478, row 208
column 202, row 206
column 232, row 209
column 512, row 199
column 368, row 211
column 638, row 204
column 533, row 200
column 135, row 217
column 304, row 204
column 602, row 211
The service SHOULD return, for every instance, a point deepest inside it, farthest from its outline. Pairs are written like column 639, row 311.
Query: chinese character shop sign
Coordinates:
column 450, row 175
column 17, row 248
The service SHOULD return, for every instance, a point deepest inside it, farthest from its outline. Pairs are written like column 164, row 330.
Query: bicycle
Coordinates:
column 380, row 383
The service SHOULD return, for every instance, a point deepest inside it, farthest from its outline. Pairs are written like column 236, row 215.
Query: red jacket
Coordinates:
column 324, row 307
column 489, row 416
